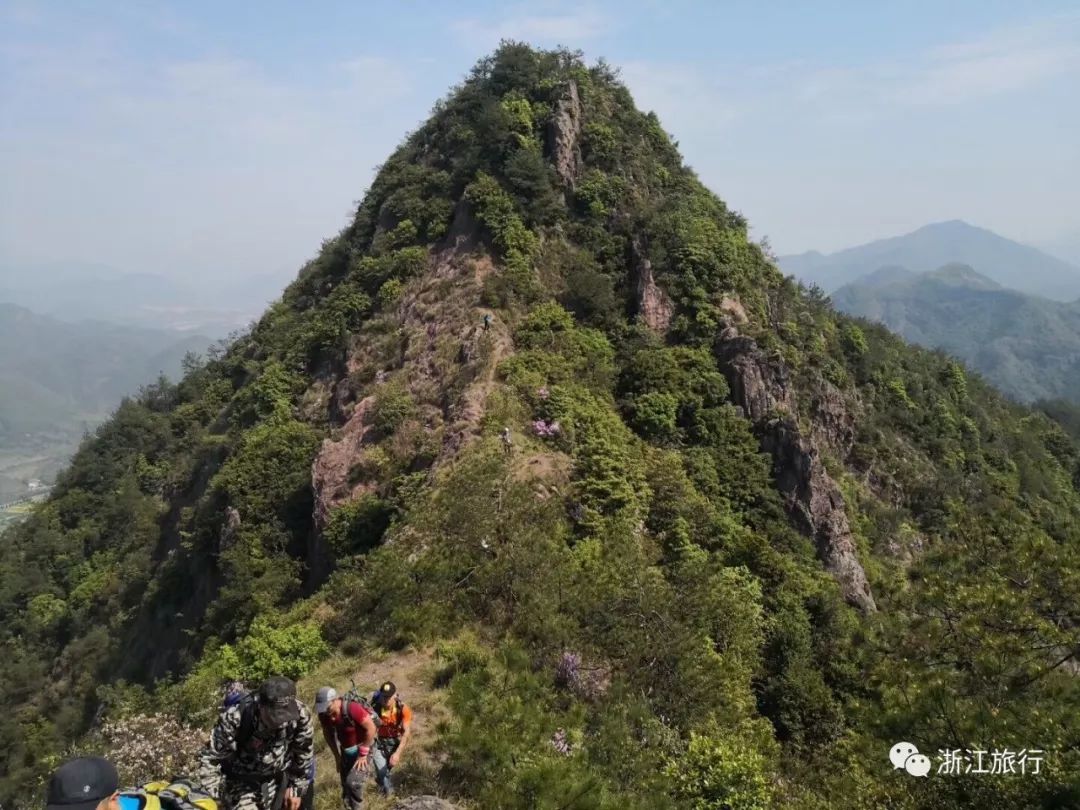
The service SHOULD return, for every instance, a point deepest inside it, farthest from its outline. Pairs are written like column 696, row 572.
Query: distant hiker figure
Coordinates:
column 260, row 751
column 348, row 727
column 487, row 321
column 394, row 721
column 507, row 442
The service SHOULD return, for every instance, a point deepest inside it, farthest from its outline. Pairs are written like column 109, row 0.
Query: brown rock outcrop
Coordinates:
column 563, row 134
column 654, row 306
column 229, row 528
column 332, row 466
column 762, row 388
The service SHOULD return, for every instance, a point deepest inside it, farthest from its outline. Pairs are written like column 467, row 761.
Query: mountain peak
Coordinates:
column 1008, row 263
column 889, row 274
column 958, row 274
column 951, row 225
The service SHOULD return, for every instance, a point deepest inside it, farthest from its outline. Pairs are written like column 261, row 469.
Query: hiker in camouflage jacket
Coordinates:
column 259, row 746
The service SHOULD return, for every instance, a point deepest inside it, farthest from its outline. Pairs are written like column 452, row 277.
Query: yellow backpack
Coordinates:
column 179, row 794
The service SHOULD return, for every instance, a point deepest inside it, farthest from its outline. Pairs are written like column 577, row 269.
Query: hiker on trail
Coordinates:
column 235, row 691
column 348, row 727
column 394, row 724
column 508, row 445
column 487, row 321
column 92, row 783
column 259, row 754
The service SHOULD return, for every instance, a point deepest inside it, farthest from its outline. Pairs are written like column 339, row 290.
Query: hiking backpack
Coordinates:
column 235, row 693
column 180, row 794
column 354, row 696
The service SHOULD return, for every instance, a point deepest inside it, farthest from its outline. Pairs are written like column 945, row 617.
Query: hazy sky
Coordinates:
column 209, row 137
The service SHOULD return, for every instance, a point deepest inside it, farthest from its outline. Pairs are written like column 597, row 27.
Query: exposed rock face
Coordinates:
column 654, row 306
column 229, row 528
column 763, row 390
column 831, row 418
column 563, row 134
column 463, row 232
column 732, row 307
column 424, row 803
column 443, row 349
column 331, row 468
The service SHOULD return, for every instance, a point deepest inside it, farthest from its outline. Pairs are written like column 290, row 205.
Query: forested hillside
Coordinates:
column 740, row 545
column 1028, row 347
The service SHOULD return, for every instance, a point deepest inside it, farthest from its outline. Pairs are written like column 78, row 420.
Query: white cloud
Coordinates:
column 998, row 62
column 206, row 164
column 556, row 28
column 695, row 99
column 1001, row 62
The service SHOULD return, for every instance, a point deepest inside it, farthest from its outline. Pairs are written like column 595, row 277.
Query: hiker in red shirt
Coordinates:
column 349, row 730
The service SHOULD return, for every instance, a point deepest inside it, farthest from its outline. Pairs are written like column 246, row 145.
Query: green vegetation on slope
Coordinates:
column 657, row 606
column 1028, row 347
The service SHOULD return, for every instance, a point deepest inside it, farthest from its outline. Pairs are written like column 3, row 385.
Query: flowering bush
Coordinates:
column 149, row 747
column 546, row 430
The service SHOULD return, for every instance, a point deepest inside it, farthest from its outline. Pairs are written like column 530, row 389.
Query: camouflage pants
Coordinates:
column 245, row 795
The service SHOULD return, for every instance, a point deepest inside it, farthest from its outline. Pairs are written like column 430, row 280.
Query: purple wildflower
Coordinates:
column 545, row 429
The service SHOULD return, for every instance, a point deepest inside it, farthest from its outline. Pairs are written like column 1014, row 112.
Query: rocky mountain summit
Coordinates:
column 670, row 531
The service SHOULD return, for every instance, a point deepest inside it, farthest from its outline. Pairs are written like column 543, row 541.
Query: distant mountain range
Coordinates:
column 59, row 379
column 998, row 259
column 76, row 292
column 1029, row 347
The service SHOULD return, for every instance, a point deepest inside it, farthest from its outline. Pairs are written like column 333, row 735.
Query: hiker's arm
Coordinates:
column 331, row 742
column 406, row 732
column 368, row 726
column 220, row 746
column 303, row 752
column 370, row 731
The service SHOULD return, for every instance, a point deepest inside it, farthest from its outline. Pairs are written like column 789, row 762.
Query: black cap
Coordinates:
column 386, row 691
column 82, row 784
column 277, row 696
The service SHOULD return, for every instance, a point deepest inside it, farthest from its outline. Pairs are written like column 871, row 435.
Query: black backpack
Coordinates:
column 249, row 715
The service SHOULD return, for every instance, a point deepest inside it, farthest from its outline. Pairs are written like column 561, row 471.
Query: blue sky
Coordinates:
column 209, row 138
